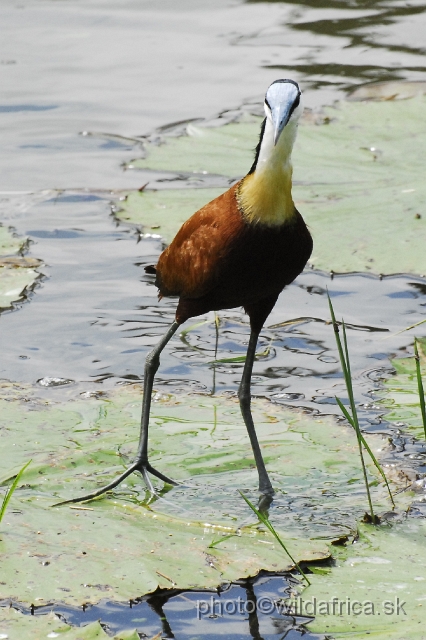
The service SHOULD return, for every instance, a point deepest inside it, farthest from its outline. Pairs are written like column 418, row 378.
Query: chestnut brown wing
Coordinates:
column 193, row 263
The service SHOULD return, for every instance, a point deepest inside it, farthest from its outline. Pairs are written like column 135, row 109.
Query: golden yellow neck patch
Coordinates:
column 264, row 197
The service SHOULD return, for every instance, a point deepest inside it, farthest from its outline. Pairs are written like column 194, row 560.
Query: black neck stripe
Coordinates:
column 257, row 151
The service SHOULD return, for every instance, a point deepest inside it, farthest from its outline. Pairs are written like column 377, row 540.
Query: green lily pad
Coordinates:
column 226, row 150
column 401, row 395
column 362, row 186
column 358, row 181
column 377, row 588
column 15, row 625
column 163, row 212
column 16, row 273
column 389, row 90
column 9, row 244
column 13, row 283
column 123, row 546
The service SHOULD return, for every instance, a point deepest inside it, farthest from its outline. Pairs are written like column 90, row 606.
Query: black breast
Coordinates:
column 260, row 263
column 265, row 261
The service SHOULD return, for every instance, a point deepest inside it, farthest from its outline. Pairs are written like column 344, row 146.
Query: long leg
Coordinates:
column 244, row 395
column 141, row 463
column 152, row 363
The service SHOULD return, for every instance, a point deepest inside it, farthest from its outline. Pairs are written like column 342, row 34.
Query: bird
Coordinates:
column 239, row 250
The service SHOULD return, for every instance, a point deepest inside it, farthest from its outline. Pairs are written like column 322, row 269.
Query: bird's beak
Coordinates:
column 280, row 116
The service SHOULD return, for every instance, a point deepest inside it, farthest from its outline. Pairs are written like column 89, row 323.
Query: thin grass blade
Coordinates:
column 260, row 354
column 264, row 520
column 345, row 363
column 355, row 419
column 349, row 386
column 214, row 543
column 10, row 490
column 420, row 385
column 412, row 326
column 191, row 327
column 367, row 447
column 216, row 329
column 236, row 359
column 337, row 336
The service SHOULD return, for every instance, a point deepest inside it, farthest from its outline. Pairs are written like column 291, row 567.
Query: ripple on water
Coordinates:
column 96, row 315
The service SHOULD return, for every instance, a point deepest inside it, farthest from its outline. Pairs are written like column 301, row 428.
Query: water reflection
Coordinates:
column 341, row 43
column 248, row 609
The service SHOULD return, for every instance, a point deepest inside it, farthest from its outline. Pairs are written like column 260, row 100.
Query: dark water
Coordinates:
column 118, row 71
column 240, row 611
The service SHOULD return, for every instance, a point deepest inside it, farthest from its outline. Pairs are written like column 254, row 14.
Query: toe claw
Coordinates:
column 160, row 475
column 143, row 467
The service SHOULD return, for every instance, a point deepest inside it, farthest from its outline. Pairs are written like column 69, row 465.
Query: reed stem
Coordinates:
column 420, row 385
column 353, row 419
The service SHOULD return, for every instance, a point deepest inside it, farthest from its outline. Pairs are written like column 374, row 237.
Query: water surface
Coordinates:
column 118, row 71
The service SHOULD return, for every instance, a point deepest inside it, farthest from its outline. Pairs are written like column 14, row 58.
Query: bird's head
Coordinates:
column 283, row 105
column 264, row 195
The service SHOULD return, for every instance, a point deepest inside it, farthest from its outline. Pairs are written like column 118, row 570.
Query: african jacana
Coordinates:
column 240, row 250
